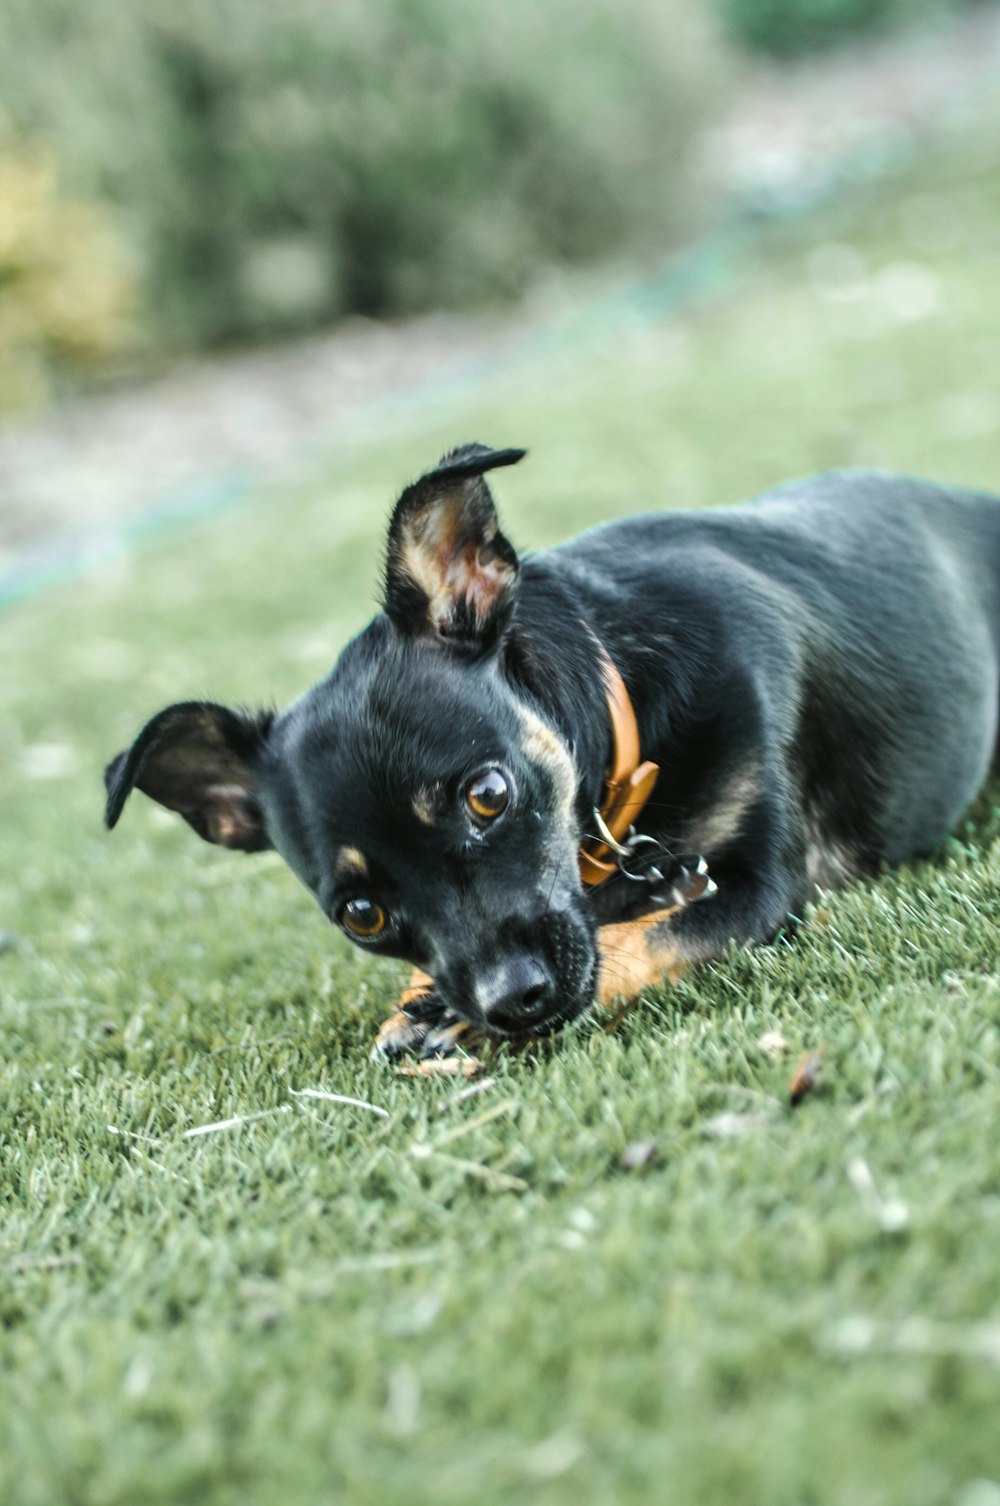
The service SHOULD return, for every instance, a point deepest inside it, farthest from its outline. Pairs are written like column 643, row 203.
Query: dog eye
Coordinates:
column 363, row 918
column 488, row 795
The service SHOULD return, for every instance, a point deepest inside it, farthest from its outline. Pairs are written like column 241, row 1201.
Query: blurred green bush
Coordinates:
column 788, row 27
column 67, row 293
column 279, row 166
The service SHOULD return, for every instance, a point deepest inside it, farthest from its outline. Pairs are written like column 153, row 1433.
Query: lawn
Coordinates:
column 474, row 1299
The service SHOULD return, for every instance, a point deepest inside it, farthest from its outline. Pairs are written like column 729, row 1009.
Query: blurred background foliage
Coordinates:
column 276, row 169
column 67, row 287
column 177, row 176
column 788, row 27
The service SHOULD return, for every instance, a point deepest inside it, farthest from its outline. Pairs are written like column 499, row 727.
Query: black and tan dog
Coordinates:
column 812, row 679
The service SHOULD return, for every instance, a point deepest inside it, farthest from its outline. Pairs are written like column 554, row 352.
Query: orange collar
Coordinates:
column 628, row 783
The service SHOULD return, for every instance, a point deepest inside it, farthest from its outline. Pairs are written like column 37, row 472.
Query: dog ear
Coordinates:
column 450, row 573
column 198, row 759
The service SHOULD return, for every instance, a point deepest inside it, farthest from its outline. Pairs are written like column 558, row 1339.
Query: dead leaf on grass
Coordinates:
column 805, row 1077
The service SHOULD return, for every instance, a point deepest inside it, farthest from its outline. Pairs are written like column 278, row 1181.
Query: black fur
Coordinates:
column 816, row 672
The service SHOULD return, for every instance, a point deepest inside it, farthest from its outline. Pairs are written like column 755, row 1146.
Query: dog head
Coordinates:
column 417, row 792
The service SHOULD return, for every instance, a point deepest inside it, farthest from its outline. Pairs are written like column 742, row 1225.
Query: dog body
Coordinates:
column 816, row 673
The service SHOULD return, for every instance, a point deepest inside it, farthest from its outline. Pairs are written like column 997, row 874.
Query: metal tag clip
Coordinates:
column 641, row 860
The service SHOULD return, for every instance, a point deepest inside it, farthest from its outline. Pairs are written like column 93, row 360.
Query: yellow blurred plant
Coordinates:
column 67, row 287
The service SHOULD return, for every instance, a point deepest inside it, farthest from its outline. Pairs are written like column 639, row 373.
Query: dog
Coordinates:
column 500, row 777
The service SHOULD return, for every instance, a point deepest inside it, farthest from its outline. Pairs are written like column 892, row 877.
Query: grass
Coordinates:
column 473, row 1299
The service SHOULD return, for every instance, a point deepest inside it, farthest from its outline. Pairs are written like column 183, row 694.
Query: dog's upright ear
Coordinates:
column 201, row 760
column 450, row 573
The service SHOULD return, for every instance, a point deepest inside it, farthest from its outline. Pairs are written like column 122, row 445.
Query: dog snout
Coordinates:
column 514, row 994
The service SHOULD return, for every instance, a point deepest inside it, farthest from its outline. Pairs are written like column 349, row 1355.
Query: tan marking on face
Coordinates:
column 543, row 746
column 351, row 861
column 720, row 825
column 635, row 955
column 423, row 806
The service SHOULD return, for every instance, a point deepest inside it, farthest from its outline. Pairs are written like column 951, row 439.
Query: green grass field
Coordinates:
column 473, row 1300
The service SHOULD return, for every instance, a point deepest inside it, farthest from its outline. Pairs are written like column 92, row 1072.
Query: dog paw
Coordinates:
column 417, row 1013
column 399, row 1036
column 450, row 1034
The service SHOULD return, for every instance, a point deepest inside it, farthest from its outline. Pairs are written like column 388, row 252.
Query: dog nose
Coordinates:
column 514, row 994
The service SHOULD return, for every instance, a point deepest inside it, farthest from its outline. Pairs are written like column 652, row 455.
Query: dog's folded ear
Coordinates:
column 450, row 573
column 198, row 759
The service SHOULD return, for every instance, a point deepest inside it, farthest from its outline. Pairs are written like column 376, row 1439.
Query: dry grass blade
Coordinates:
column 234, row 1123
column 501, row 1180
column 322, row 1096
column 486, row 1117
column 387, row 1260
column 472, row 1091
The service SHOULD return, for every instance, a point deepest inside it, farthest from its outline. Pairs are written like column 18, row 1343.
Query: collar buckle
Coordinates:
column 618, row 848
column 628, row 783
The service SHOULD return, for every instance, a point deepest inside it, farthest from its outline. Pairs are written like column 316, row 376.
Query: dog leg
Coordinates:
column 748, row 909
column 636, row 955
column 451, row 1034
column 407, row 1029
column 422, row 1027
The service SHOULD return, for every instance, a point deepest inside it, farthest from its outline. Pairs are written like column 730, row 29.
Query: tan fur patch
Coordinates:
column 542, row 745
column 424, row 570
column 226, row 827
column 423, row 806
column 432, row 554
column 398, row 1034
column 420, row 984
column 351, row 860
column 230, row 818
column 830, row 865
column 722, row 823
column 636, row 955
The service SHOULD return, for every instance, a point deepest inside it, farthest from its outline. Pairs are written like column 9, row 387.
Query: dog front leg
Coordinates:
column 421, row 1026
column 407, row 1028
column 635, row 955
column 638, row 955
